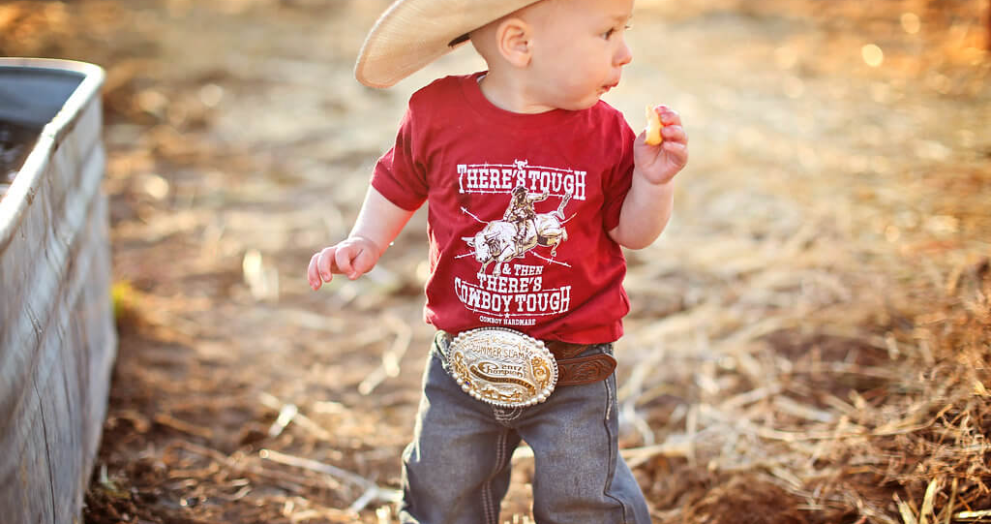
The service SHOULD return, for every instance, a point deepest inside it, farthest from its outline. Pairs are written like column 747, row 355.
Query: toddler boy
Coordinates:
column 533, row 186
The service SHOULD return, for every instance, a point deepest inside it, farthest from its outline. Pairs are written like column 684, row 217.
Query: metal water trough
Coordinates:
column 57, row 338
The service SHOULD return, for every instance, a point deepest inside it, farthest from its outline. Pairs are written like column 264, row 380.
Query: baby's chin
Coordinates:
column 578, row 105
column 587, row 103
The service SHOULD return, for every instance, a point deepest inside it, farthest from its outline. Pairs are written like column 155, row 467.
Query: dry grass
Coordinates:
column 809, row 341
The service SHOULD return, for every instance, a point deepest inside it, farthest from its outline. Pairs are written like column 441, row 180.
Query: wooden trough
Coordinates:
column 57, row 338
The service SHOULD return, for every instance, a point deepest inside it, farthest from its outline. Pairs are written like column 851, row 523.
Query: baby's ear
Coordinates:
column 513, row 41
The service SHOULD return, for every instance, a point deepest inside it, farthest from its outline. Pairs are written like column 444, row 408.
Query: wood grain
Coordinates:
column 57, row 341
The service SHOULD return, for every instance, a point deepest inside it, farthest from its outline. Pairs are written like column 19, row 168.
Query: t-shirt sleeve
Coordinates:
column 400, row 175
column 616, row 184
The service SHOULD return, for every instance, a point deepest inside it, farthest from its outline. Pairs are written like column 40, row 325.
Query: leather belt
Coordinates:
column 573, row 370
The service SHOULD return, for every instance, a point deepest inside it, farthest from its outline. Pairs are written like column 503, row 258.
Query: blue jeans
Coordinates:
column 456, row 470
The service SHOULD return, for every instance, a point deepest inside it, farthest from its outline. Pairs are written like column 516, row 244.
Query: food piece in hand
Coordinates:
column 653, row 127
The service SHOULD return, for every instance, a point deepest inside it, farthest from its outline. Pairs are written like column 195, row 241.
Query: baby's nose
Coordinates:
column 624, row 55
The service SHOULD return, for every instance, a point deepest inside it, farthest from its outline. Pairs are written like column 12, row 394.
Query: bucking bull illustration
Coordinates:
column 520, row 231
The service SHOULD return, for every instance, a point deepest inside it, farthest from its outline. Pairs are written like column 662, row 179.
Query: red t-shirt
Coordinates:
column 520, row 206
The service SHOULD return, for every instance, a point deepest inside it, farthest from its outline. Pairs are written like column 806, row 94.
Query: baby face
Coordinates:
column 579, row 50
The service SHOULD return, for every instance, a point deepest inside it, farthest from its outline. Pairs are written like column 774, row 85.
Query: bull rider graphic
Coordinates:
column 520, row 230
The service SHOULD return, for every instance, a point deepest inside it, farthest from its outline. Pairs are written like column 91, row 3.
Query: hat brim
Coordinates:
column 413, row 33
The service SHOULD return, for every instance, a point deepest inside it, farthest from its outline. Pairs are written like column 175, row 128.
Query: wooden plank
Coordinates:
column 60, row 436
column 58, row 419
column 57, row 342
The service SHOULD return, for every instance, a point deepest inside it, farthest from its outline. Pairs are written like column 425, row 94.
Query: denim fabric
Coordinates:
column 457, row 469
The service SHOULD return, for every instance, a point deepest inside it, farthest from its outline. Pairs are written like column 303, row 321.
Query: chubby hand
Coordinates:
column 660, row 163
column 353, row 257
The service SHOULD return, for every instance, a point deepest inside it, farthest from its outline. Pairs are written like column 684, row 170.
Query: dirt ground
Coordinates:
column 825, row 270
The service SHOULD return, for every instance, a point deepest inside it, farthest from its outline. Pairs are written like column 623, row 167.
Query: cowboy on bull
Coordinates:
column 520, row 212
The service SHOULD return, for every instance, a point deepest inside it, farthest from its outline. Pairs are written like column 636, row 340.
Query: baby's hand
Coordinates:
column 660, row 163
column 353, row 257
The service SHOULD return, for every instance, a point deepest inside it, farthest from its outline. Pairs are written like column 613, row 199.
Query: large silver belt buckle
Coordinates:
column 502, row 367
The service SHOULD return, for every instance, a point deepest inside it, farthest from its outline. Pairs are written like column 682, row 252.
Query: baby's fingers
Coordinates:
column 325, row 263
column 312, row 278
column 320, row 269
column 669, row 117
column 677, row 153
column 363, row 262
column 674, row 133
column 344, row 258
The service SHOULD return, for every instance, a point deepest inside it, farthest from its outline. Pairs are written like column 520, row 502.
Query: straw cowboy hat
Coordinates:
column 413, row 33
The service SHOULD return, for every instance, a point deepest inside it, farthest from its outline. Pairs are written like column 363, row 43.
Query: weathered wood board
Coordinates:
column 57, row 338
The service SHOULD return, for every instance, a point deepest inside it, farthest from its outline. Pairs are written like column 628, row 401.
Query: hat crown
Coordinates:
column 413, row 33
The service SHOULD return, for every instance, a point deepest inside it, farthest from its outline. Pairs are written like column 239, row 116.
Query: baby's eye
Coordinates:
column 608, row 34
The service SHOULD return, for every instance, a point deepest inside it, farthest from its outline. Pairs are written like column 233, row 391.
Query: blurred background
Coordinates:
column 809, row 340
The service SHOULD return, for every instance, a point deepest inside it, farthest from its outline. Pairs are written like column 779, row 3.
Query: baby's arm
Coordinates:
column 648, row 204
column 379, row 222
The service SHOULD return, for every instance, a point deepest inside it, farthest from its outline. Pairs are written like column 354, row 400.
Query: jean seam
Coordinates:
column 613, row 451
column 506, row 416
column 487, row 502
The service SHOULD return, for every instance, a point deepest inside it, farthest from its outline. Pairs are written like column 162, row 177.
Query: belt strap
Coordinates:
column 575, row 371
column 584, row 370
